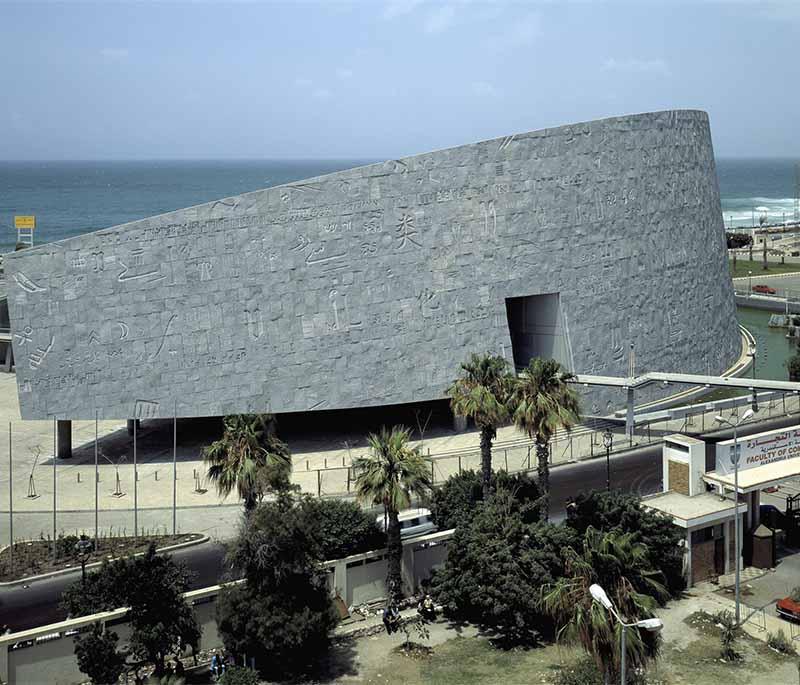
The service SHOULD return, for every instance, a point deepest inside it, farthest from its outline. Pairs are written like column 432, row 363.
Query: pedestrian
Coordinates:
column 426, row 608
column 391, row 618
column 215, row 666
column 222, row 664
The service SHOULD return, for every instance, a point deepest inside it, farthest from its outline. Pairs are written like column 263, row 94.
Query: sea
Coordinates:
column 70, row 198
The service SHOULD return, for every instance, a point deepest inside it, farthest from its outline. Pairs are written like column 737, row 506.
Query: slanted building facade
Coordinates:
column 370, row 286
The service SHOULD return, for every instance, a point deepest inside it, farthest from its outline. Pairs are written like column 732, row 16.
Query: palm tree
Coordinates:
column 248, row 457
column 481, row 393
column 389, row 475
column 619, row 565
column 543, row 401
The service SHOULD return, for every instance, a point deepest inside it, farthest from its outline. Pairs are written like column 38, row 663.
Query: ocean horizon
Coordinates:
column 71, row 197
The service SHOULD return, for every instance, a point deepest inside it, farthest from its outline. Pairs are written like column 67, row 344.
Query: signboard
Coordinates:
column 759, row 450
column 25, row 222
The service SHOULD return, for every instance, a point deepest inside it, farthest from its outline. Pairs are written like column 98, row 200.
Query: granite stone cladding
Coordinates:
column 370, row 286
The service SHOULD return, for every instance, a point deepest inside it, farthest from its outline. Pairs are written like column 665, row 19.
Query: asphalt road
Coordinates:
column 634, row 471
column 37, row 604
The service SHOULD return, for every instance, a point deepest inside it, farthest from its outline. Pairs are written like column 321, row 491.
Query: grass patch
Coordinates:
column 757, row 267
column 699, row 663
column 472, row 661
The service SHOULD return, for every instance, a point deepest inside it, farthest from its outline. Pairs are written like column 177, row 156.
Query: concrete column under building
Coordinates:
column 689, row 558
column 629, row 424
column 8, row 364
column 755, row 509
column 459, row 423
column 64, row 439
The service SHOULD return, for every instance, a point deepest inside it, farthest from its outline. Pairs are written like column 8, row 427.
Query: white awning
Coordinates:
column 757, row 478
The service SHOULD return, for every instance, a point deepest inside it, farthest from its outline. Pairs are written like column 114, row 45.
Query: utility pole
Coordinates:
column 10, row 502
column 135, row 487
column 96, row 480
column 55, row 461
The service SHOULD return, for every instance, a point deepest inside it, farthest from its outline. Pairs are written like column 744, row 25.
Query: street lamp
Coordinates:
column 750, row 282
column 751, row 352
column 83, row 548
column 735, row 459
column 653, row 624
column 608, row 440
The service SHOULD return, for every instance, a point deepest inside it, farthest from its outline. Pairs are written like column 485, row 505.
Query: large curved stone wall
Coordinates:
column 370, row 286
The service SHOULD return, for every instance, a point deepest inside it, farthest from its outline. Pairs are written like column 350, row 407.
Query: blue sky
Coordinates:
column 372, row 79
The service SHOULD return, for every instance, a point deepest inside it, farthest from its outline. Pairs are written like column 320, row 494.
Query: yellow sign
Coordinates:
column 25, row 222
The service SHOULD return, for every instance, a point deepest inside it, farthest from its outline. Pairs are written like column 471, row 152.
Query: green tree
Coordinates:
column 389, row 475
column 793, row 365
column 496, row 564
column 97, row 655
column 620, row 512
column 342, row 527
column 620, row 566
column 249, row 457
column 152, row 585
column 481, row 393
column 283, row 612
column 543, row 401
column 455, row 502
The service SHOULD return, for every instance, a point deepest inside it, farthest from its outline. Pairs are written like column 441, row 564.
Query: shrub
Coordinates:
column 737, row 240
column 793, row 366
column 342, row 528
column 236, row 675
column 779, row 642
column 619, row 512
column 283, row 612
column 455, row 502
column 97, row 655
column 583, row 672
column 729, row 631
column 496, row 564
column 65, row 545
column 152, row 585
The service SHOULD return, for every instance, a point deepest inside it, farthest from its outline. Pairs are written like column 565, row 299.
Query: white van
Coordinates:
column 413, row 522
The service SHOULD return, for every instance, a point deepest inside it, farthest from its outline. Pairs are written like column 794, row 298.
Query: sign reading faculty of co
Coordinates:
column 759, row 450
column 25, row 222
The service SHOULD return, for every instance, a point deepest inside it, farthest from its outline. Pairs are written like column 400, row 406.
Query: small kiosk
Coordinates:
column 698, row 494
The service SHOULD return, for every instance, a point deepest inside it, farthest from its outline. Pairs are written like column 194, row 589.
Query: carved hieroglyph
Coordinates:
column 370, row 286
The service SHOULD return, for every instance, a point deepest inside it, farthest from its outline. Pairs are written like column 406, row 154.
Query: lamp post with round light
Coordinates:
column 608, row 441
column 653, row 624
column 83, row 548
column 735, row 460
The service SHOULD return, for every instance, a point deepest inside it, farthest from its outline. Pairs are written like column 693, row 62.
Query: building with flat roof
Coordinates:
column 701, row 496
column 370, row 286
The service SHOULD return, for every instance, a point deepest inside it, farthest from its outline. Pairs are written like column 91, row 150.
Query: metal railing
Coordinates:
column 519, row 456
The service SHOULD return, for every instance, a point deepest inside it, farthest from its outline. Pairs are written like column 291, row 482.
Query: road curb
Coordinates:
column 95, row 564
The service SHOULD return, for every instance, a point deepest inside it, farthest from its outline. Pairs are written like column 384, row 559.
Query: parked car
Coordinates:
column 789, row 609
column 765, row 289
column 413, row 522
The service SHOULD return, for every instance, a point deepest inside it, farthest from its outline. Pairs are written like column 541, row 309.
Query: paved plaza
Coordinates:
column 321, row 461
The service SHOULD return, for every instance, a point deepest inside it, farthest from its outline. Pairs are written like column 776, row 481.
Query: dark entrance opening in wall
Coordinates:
column 537, row 329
